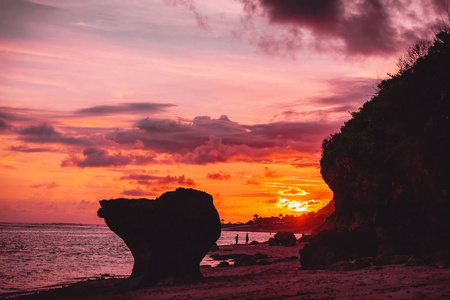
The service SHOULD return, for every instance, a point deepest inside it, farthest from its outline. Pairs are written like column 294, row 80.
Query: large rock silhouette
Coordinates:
column 168, row 236
column 389, row 167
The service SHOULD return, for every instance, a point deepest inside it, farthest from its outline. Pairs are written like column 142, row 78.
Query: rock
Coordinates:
column 341, row 266
column 260, row 256
column 363, row 262
column 305, row 238
column 227, row 256
column 273, row 242
column 418, row 295
column 223, row 264
column 328, row 247
column 285, row 238
column 414, row 261
column 438, row 256
column 290, row 258
column 254, row 243
column 168, row 236
column 391, row 259
column 442, row 264
column 214, row 248
column 247, row 260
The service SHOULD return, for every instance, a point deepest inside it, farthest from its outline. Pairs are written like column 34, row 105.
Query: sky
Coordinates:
column 108, row 99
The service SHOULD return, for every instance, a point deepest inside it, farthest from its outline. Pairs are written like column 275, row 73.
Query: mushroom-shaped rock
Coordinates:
column 168, row 236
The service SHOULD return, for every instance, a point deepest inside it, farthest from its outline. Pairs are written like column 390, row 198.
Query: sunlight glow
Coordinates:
column 292, row 205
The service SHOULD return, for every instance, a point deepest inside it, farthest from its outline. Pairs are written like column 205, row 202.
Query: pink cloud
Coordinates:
column 202, row 140
column 364, row 28
column 96, row 157
column 45, row 133
column 124, row 108
column 138, row 192
column 218, row 176
column 148, row 179
column 50, row 185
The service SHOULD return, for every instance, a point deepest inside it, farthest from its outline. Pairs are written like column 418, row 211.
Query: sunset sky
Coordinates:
column 107, row 99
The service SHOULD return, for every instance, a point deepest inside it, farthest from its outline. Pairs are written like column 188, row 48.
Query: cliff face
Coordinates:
column 389, row 166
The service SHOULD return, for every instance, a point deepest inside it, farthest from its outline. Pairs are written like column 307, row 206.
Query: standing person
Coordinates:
column 237, row 238
column 246, row 238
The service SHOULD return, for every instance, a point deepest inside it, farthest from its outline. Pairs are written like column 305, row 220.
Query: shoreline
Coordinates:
column 279, row 278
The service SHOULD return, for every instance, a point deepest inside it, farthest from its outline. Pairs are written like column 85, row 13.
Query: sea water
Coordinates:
column 38, row 256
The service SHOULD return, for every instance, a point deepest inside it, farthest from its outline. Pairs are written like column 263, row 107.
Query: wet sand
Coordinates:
column 280, row 279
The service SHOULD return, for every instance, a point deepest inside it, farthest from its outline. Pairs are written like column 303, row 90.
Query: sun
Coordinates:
column 292, row 205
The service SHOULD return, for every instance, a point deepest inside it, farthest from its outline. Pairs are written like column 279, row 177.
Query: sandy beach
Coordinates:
column 280, row 278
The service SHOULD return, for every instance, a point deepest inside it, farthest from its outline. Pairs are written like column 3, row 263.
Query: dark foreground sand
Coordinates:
column 277, row 280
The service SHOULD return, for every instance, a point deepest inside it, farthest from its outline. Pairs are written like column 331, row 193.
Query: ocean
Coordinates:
column 39, row 256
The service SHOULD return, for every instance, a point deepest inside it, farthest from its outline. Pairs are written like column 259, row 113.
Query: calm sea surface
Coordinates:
column 36, row 256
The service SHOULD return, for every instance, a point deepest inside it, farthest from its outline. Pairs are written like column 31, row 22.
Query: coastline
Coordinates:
column 269, row 229
column 280, row 278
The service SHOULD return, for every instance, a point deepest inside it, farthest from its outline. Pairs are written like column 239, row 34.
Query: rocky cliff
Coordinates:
column 389, row 166
column 168, row 236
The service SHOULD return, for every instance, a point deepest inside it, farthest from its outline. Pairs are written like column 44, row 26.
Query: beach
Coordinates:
column 278, row 277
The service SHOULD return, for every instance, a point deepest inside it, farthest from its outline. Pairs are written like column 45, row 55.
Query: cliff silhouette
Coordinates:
column 389, row 166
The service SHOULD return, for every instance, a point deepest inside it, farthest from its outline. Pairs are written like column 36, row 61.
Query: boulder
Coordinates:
column 273, row 242
column 168, row 236
column 214, row 248
column 285, row 238
column 341, row 266
column 329, row 247
column 247, row 260
column 305, row 238
column 223, row 264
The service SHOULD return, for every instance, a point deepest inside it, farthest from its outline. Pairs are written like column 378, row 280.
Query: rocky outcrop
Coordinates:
column 168, row 236
column 285, row 238
column 389, row 167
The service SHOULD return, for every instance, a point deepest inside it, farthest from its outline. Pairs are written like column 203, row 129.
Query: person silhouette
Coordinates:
column 246, row 238
column 237, row 238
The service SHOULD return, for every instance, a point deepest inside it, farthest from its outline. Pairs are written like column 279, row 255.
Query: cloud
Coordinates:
column 26, row 149
column 161, row 126
column 45, row 133
column 96, row 157
column 4, row 125
column 137, row 192
column 347, row 92
column 207, row 140
column 48, row 186
column 202, row 21
column 149, row 180
column 201, row 140
column 218, row 176
column 253, row 182
column 377, row 27
column 125, row 108
column 292, row 191
column 18, row 114
column 212, row 152
column 273, row 200
column 17, row 17
column 271, row 174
